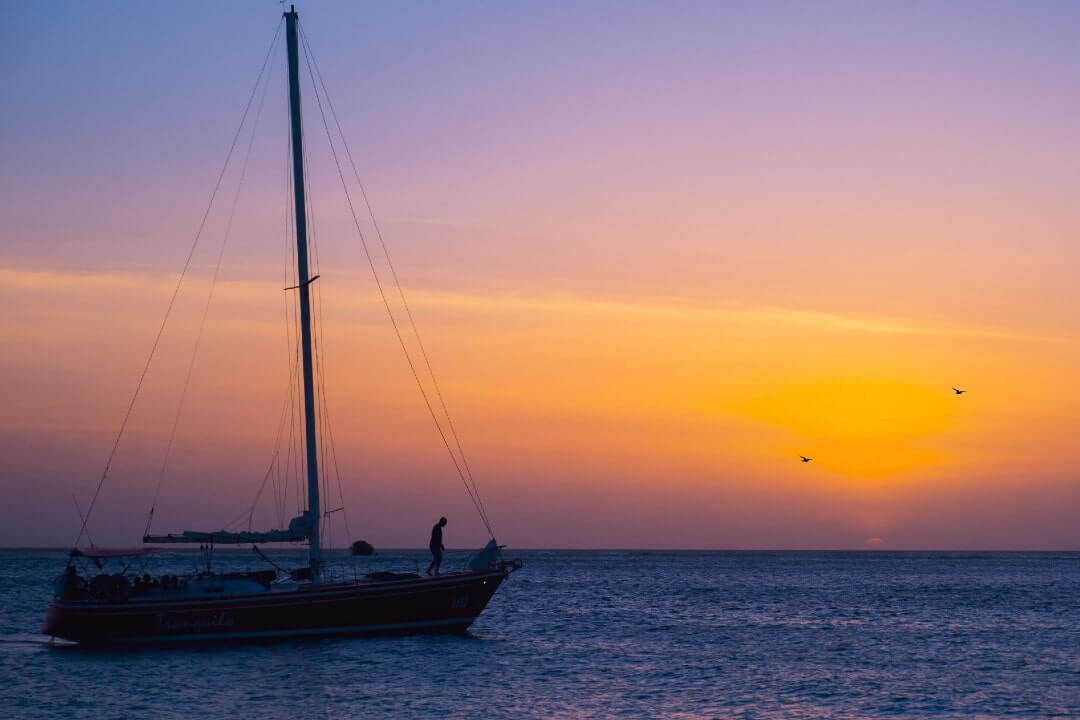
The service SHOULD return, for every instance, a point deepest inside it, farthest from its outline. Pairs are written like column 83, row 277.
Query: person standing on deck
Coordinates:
column 436, row 546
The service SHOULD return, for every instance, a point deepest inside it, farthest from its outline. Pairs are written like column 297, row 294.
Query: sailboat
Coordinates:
column 119, row 609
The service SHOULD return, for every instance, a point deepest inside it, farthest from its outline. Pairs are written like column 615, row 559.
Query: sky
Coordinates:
column 656, row 252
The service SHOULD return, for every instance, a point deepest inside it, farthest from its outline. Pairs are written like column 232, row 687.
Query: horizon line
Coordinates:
column 876, row 550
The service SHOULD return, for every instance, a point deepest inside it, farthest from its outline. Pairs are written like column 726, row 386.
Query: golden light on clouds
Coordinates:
column 643, row 305
column 640, row 395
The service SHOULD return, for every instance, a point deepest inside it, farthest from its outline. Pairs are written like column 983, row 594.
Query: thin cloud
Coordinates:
column 14, row 279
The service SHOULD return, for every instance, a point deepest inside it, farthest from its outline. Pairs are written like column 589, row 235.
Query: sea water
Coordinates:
column 612, row 634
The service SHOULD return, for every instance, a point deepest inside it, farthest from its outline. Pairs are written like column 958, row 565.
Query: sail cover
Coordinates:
column 299, row 529
column 486, row 558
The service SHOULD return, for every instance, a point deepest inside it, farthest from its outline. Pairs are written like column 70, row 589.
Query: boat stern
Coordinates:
column 53, row 620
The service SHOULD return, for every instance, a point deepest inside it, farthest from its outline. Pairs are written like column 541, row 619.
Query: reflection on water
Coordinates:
column 599, row 634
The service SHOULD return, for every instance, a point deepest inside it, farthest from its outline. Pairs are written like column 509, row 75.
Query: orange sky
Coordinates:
column 662, row 422
column 647, row 287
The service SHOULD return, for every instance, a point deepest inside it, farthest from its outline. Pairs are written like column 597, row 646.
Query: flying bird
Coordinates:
column 958, row 391
column 805, row 459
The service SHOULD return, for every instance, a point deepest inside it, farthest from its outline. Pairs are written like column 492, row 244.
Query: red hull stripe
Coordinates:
column 281, row 597
column 415, row 605
column 277, row 597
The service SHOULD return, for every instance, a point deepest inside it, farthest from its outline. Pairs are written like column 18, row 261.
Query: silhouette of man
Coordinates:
column 436, row 546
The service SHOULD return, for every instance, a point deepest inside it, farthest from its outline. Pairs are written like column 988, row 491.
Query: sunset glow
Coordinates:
column 649, row 275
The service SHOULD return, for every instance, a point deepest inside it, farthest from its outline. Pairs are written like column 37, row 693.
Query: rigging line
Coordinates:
column 312, row 240
column 293, row 345
column 386, row 251
column 317, row 337
column 281, row 493
column 209, row 299
column 393, row 321
column 389, row 311
column 393, row 272
column 292, row 322
column 292, row 453
column 328, row 449
column 274, row 461
column 329, row 446
column 314, row 319
column 267, row 559
column 275, row 457
column 247, row 514
column 272, row 473
column 79, row 510
column 279, row 505
column 292, row 458
column 386, row 303
column 176, row 291
column 320, row 339
column 337, row 472
column 296, row 439
column 328, row 438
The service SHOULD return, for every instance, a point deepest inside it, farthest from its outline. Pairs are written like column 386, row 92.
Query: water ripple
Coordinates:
column 586, row 634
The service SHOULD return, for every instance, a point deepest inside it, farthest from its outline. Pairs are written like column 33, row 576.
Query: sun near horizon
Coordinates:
column 653, row 268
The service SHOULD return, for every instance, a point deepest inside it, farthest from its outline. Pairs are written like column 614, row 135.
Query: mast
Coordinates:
column 315, row 558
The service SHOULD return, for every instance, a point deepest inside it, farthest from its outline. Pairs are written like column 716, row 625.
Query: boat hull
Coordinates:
column 447, row 603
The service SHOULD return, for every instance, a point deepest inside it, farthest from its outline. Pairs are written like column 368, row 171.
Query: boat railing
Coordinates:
column 338, row 574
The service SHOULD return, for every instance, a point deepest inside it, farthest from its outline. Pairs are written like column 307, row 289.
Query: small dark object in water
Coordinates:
column 360, row 547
